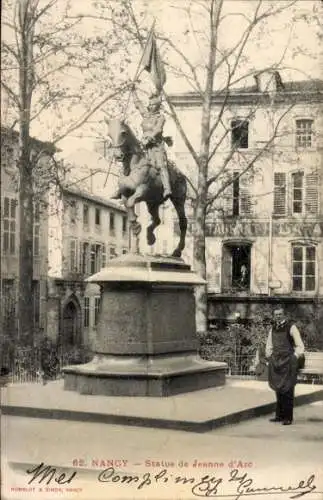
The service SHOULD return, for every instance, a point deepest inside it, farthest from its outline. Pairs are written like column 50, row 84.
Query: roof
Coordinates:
column 49, row 146
column 92, row 197
column 300, row 86
column 300, row 91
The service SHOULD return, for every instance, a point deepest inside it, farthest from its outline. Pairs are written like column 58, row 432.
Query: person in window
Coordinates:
column 243, row 275
column 284, row 351
column 153, row 140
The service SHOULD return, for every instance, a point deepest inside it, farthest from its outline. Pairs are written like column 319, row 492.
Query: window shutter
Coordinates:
column 72, row 255
column 245, row 196
column 81, row 257
column 280, row 193
column 311, row 193
column 228, row 200
column 77, row 255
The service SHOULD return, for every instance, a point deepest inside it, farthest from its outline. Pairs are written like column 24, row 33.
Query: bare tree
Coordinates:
column 213, row 75
column 49, row 76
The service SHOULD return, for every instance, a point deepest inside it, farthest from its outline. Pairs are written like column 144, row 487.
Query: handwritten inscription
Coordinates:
column 237, row 483
column 242, row 483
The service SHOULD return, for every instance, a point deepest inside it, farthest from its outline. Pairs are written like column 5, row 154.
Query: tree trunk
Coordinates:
column 25, row 301
column 202, row 189
column 200, row 265
column 26, row 191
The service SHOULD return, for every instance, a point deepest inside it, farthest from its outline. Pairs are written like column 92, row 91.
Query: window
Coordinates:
column 304, row 133
column 93, row 259
column 237, row 198
column 85, row 257
column 104, row 256
column 297, row 192
column 236, row 265
column 86, row 316
column 124, row 251
column 98, row 258
column 73, row 211
column 85, row 215
column 112, row 252
column 97, row 302
column 124, row 225
column 304, row 193
column 239, row 134
column 97, row 217
column 280, row 193
column 9, row 225
column 73, row 256
column 7, row 156
column 304, row 263
column 112, row 223
column 36, row 239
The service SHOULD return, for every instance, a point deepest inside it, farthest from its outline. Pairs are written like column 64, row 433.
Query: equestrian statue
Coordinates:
column 147, row 173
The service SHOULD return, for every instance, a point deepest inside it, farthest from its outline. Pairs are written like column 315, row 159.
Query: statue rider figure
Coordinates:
column 153, row 141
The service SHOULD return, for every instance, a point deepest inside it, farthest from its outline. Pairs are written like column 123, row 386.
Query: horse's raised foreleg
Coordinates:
column 137, row 196
column 153, row 209
column 179, row 205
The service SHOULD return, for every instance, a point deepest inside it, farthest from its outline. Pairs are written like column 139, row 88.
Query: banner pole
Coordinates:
column 138, row 67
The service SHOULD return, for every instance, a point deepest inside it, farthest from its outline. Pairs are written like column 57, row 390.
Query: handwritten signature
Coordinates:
column 210, row 486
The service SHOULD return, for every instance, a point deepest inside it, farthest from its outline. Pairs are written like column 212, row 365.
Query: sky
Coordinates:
column 297, row 40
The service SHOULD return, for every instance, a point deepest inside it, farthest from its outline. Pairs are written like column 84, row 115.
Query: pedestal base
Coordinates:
column 157, row 376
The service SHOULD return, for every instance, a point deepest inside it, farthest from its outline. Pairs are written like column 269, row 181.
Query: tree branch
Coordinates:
column 88, row 114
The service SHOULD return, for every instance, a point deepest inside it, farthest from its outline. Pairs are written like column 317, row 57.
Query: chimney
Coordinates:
column 269, row 81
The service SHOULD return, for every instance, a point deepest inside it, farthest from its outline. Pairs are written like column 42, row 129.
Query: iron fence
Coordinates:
column 26, row 366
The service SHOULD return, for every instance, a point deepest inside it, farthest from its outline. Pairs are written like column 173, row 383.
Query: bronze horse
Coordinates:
column 141, row 181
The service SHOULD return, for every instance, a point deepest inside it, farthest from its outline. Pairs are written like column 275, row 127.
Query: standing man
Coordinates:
column 284, row 348
column 152, row 126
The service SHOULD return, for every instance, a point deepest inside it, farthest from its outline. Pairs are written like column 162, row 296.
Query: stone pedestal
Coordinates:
column 146, row 341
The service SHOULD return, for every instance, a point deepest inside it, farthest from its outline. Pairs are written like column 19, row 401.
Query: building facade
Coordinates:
column 84, row 232
column 265, row 228
column 75, row 233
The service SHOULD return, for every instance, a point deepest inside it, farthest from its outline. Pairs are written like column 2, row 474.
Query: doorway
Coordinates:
column 71, row 325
